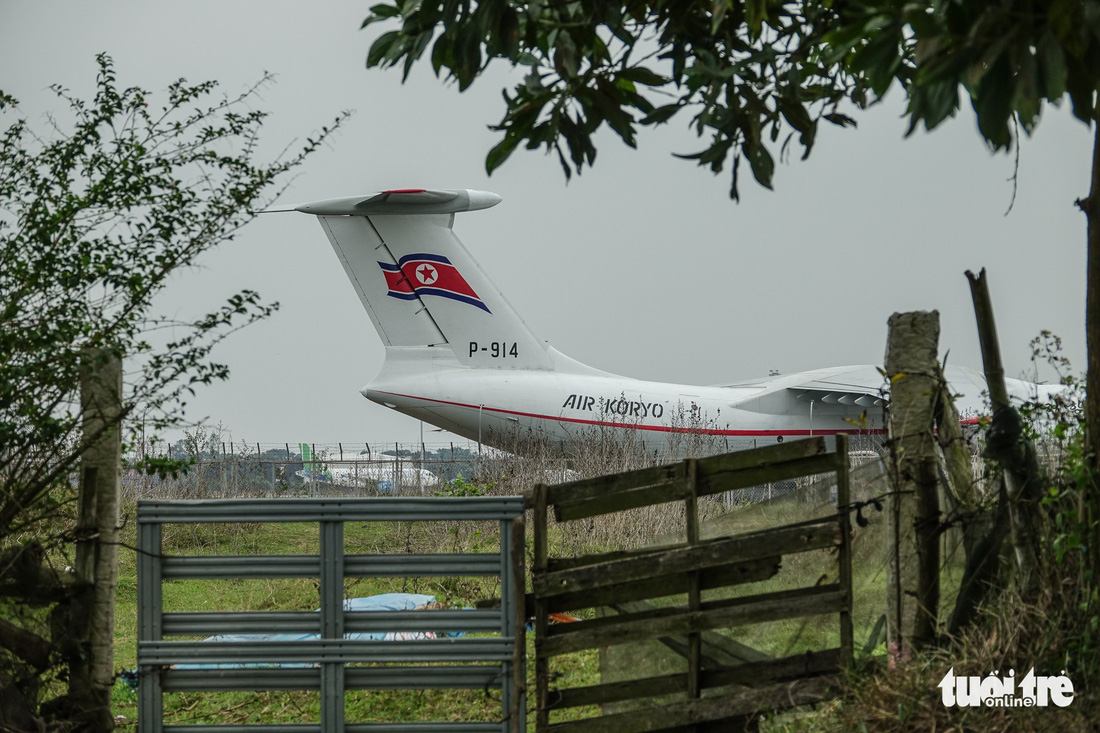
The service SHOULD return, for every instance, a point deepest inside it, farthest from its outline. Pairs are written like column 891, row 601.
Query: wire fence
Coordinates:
column 216, row 468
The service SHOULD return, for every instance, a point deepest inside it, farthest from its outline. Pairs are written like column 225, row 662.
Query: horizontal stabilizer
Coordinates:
column 403, row 201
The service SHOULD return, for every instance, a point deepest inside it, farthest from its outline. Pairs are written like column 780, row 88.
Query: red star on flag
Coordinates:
column 426, row 274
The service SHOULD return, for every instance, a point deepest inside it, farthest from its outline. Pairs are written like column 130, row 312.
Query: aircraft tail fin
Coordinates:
column 311, row 465
column 419, row 284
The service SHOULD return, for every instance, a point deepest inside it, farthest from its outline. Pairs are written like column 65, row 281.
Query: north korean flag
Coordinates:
column 398, row 284
column 427, row 274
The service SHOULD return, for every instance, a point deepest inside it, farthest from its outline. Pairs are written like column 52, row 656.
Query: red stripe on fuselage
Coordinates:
column 639, row 426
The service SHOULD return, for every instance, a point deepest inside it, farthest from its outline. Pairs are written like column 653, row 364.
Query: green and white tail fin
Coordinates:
column 310, row 464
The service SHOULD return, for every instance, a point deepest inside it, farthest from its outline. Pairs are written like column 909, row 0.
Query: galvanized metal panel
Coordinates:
column 469, row 621
column 308, row 566
column 332, row 625
column 468, row 677
column 486, row 662
column 344, row 651
column 428, row 728
column 422, row 566
column 351, row 728
column 243, row 622
column 240, row 729
column 373, row 509
column 150, row 705
column 241, row 566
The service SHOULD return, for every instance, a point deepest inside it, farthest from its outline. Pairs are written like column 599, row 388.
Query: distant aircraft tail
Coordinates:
column 420, row 285
column 311, row 466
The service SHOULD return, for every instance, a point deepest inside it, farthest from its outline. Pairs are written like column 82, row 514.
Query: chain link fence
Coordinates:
column 222, row 469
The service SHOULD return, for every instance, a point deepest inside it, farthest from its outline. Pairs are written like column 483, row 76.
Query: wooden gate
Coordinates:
column 717, row 689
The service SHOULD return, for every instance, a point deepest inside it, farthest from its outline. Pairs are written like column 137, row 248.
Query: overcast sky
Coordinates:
column 642, row 266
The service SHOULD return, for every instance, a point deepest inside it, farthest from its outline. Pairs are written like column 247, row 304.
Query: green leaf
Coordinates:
column 1052, row 65
column 661, row 114
column 566, row 57
column 756, row 11
column 508, row 32
column 796, row 115
column 992, row 102
column 441, row 53
column 880, row 60
column 381, row 47
column 500, row 152
column 467, row 51
column 380, row 12
column 1079, row 84
column 932, row 103
column 1027, row 101
column 642, row 75
column 409, row 8
column 760, row 160
column 841, row 120
column 718, row 10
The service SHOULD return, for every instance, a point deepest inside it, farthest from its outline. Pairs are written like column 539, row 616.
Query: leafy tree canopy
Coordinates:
column 96, row 212
column 753, row 75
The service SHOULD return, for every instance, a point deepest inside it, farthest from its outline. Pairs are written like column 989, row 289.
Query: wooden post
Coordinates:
column 1006, row 443
column 912, row 571
column 91, row 669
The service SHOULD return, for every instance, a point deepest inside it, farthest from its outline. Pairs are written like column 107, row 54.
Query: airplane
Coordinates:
column 385, row 473
column 459, row 357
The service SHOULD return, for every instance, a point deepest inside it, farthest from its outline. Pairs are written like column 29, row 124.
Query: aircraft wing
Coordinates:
column 865, row 386
column 860, row 386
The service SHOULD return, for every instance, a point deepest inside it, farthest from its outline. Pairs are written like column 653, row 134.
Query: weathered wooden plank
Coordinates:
column 753, row 674
column 718, row 650
column 642, row 611
column 717, row 577
column 620, row 501
column 791, row 450
column 566, row 638
column 593, row 488
column 714, row 482
column 782, row 541
column 779, row 696
column 541, row 530
column 555, row 564
column 661, row 484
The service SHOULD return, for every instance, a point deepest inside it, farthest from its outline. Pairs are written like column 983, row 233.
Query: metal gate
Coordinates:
column 475, row 662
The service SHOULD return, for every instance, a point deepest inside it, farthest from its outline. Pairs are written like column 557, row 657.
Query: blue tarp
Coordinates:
column 383, row 602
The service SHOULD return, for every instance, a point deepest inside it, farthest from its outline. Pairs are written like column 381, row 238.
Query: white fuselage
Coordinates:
column 494, row 406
